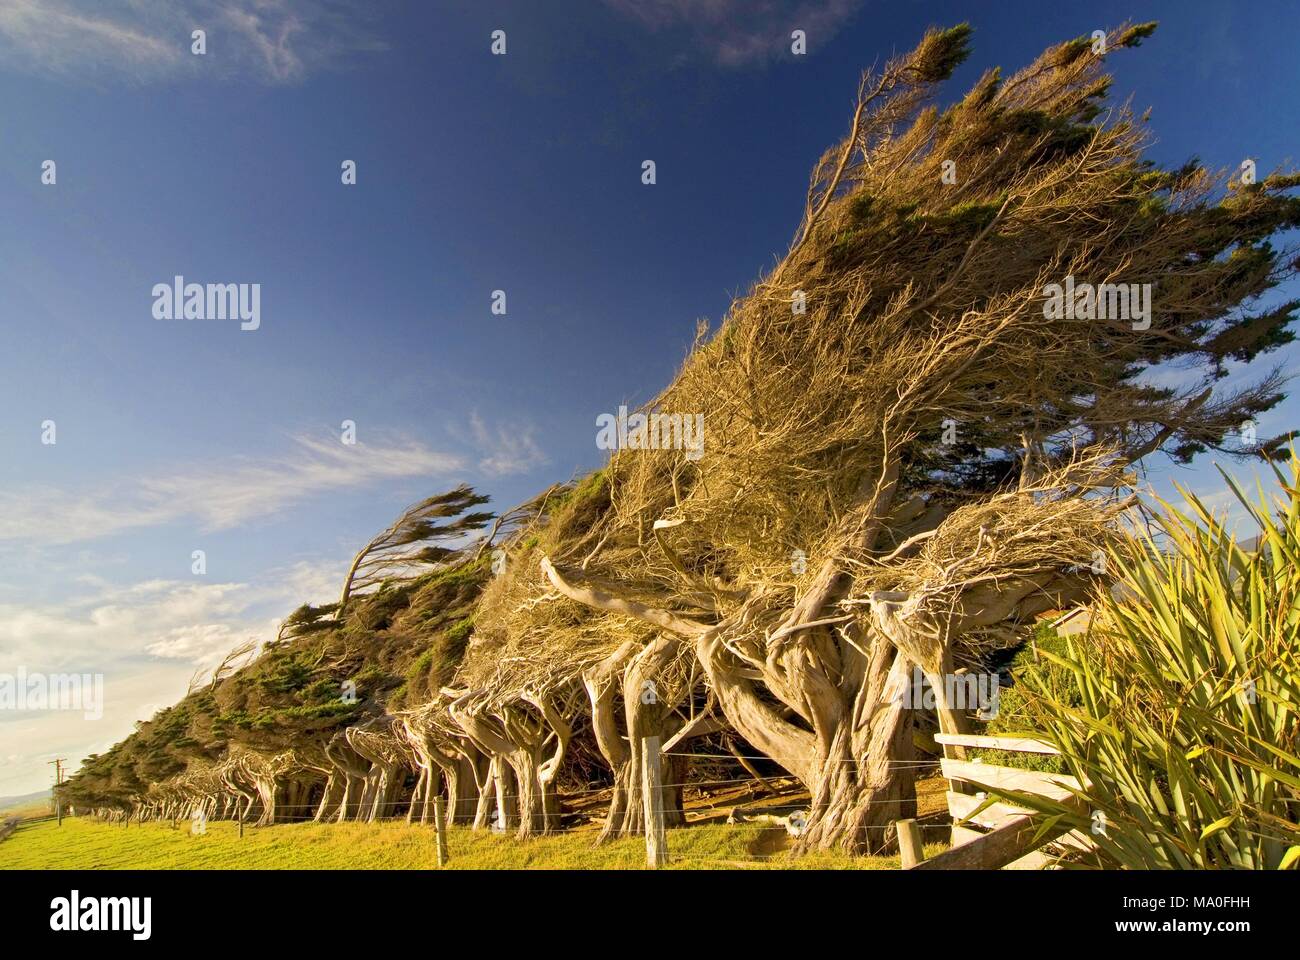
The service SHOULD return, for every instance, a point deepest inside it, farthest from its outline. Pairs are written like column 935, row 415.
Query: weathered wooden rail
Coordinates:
column 992, row 835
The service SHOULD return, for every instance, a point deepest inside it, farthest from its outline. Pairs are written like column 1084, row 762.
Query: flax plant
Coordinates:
column 1185, row 732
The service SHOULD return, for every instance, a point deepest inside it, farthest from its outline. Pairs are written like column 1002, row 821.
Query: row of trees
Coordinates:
column 907, row 459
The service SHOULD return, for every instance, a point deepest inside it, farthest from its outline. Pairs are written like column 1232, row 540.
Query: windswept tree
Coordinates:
column 425, row 533
column 912, row 445
column 271, row 723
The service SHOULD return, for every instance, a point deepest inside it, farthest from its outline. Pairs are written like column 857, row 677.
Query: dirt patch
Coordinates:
column 931, row 797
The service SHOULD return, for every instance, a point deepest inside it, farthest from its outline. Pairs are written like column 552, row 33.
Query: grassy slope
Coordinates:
column 39, row 799
column 83, row 844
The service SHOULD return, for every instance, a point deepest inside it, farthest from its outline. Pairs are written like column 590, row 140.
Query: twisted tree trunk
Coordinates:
column 353, row 769
column 602, row 683
column 832, row 736
column 516, row 734
column 332, row 798
column 386, row 776
column 866, row 782
column 634, row 674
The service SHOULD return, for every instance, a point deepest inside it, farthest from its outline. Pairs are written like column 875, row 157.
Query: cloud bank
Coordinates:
column 143, row 41
column 219, row 496
column 147, row 639
column 739, row 33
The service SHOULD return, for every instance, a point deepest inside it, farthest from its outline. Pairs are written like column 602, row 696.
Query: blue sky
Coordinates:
column 475, row 173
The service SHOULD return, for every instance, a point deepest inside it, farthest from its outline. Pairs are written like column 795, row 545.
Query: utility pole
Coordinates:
column 58, row 781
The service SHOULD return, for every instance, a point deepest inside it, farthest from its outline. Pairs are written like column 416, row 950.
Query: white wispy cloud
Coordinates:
column 84, row 634
column 275, row 41
column 189, row 620
column 741, row 32
column 218, row 496
column 507, row 449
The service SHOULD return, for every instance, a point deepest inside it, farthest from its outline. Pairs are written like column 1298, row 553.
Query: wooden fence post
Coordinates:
column 652, row 803
column 439, row 827
column 504, row 807
column 910, row 851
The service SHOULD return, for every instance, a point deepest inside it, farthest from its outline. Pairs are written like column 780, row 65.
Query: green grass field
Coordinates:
column 88, row 845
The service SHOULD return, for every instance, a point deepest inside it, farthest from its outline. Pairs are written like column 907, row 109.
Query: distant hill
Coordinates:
column 24, row 800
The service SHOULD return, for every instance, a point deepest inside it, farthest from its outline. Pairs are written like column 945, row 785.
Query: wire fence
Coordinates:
column 764, row 818
column 755, row 820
